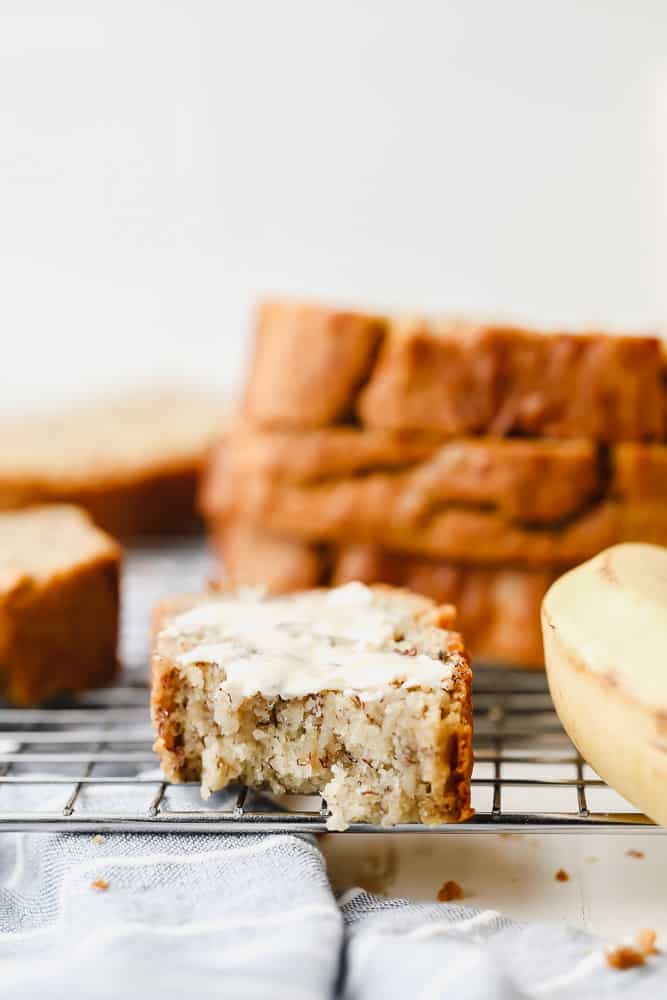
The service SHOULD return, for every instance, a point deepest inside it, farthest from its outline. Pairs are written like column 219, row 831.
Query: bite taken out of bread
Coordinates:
column 361, row 695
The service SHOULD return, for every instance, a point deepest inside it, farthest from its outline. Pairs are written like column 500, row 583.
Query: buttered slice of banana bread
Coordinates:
column 359, row 694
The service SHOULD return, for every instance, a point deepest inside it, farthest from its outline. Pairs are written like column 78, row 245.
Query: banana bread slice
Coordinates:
column 379, row 509
column 315, row 365
column 58, row 603
column 399, row 476
column 132, row 462
column 359, row 694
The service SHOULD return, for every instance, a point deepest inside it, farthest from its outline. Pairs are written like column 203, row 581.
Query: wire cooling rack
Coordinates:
column 87, row 765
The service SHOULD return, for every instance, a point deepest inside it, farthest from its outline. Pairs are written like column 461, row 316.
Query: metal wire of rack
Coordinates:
column 88, row 766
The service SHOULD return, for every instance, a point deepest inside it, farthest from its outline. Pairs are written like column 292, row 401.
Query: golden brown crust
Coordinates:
column 459, row 380
column 639, row 471
column 440, row 377
column 133, row 463
column 314, row 366
column 159, row 502
column 459, row 752
column 309, row 454
column 309, row 362
column 59, row 629
column 165, row 684
column 162, row 502
column 405, row 476
column 486, row 538
column 380, row 509
column 252, row 559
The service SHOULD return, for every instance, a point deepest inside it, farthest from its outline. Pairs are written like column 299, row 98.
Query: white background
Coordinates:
column 164, row 163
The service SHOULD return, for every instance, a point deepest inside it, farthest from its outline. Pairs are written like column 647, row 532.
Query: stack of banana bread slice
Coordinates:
column 471, row 463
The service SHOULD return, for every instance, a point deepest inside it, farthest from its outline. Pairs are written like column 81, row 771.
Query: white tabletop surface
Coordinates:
column 609, row 892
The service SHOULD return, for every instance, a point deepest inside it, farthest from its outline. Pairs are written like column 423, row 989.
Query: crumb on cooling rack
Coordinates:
column 632, row 853
column 628, row 956
column 562, row 876
column 98, row 838
column 449, row 891
column 100, row 884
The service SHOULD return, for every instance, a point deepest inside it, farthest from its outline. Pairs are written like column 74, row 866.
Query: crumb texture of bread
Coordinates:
column 132, row 462
column 59, row 586
column 358, row 694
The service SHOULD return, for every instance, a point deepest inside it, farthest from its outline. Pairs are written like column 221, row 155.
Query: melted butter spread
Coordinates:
column 291, row 647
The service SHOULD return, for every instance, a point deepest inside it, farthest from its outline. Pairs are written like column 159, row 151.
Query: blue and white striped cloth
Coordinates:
column 253, row 918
